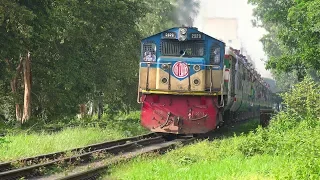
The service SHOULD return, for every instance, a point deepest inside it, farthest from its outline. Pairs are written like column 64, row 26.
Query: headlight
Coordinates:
column 183, row 31
column 165, row 66
column 183, row 34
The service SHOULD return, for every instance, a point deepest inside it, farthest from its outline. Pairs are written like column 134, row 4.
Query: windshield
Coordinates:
column 182, row 48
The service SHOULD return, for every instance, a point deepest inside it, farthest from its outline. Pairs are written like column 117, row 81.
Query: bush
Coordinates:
column 289, row 148
column 303, row 100
column 293, row 133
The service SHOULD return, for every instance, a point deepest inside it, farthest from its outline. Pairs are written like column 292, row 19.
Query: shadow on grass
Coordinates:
column 236, row 129
column 125, row 124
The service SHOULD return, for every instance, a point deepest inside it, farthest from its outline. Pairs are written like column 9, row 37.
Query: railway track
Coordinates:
column 33, row 166
column 100, row 169
column 91, row 156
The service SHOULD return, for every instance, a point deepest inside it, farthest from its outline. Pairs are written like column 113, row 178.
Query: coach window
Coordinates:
column 244, row 73
column 149, row 52
column 239, row 82
column 215, row 55
column 239, row 77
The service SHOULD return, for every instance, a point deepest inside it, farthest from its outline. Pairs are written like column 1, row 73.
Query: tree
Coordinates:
column 186, row 11
column 14, row 34
column 74, row 46
column 69, row 50
column 292, row 42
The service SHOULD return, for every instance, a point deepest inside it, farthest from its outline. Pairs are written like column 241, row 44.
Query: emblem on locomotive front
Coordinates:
column 180, row 69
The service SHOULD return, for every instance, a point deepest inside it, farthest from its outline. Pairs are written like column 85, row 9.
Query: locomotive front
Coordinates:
column 181, row 80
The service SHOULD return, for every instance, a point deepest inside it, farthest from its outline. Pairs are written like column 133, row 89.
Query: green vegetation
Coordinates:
column 61, row 60
column 81, row 53
column 23, row 143
column 288, row 149
column 292, row 41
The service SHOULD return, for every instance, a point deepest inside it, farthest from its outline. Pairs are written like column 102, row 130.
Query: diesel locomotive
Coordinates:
column 191, row 83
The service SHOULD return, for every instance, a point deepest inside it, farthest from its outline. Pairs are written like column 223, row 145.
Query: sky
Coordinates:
column 248, row 34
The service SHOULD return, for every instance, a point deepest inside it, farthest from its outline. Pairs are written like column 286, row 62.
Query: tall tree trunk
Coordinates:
column 83, row 110
column 14, row 87
column 27, row 88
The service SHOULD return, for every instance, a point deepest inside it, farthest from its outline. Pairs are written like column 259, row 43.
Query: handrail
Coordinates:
column 204, row 65
column 211, row 81
column 189, row 81
column 148, row 71
column 222, row 85
column 169, row 79
column 138, row 96
column 211, row 68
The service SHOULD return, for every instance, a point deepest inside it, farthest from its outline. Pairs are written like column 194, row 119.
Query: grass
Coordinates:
column 262, row 154
column 288, row 149
column 25, row 143
column 188, row 163
column 22, row 145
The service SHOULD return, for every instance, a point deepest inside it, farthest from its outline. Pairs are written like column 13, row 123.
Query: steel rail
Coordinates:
column 96, row 172
column 35, row 170
column 115, row 148
column 6, row 166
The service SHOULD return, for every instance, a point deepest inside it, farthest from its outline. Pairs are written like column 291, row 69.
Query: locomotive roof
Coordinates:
column 195, row 28
column 228, row 50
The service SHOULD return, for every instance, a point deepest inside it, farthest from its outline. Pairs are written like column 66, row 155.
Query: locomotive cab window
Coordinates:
column 149, row 52
column 215, row 55
column 182, row 48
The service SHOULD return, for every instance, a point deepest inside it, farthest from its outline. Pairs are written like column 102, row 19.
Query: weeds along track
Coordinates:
column 92, row 161
column 95, row 171
column 98, row 170
column 34, row 166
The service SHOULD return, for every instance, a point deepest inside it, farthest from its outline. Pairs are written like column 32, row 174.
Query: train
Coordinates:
column 192, row 83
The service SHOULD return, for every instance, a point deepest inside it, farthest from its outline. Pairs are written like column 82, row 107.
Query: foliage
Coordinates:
column 166, row 14
column 14, row 34
column 272, row 84
column 26, row 145
column 288, row 154
column 80, row 49
column 128, row 123
column 285, row 80
column 293, row 39
column 288, row 149
column 66, row 134
column 304, row 100
column 293, row 133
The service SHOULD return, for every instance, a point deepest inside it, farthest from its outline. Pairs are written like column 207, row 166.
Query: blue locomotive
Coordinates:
column 191, row 83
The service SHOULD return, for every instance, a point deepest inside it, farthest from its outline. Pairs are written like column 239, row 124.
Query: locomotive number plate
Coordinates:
column 169, row 35
column 196, row 36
